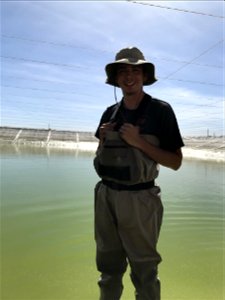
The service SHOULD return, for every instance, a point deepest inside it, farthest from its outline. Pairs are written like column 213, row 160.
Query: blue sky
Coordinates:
column 53, row 55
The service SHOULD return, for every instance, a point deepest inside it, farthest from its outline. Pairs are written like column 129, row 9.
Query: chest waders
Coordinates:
column 128, row 216
column 119, row 162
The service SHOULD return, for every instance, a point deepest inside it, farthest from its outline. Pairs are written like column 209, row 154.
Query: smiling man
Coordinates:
column 135, row 136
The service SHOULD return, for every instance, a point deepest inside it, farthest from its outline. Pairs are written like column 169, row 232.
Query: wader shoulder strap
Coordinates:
column 116, row 109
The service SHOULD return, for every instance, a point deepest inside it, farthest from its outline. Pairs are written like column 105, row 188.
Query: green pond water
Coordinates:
column 47, row 244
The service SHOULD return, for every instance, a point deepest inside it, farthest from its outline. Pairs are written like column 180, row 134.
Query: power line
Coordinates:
column 213, row 102
column 192, row 81
column 41, row 80
column 184, row 62
column 45, row 90
column 162, row 78
column 190, row 106
column 195, row 58
column 177, row 9
column 43, row 62
column 36, row 89
column 51, row 43
column 89, row 48
column 81, row 67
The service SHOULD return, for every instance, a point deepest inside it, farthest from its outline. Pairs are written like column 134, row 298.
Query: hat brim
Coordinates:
column 111, row 71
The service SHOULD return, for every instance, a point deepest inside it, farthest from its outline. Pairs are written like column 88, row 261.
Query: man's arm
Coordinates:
column 165, row 158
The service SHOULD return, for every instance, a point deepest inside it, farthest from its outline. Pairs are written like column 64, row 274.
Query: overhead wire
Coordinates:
column 176, row 9
column 212, row 100
column 83, row 67
column 51, row 43
column 195, row 58
column 192, row 81
column 42, row 62
column 93, row 49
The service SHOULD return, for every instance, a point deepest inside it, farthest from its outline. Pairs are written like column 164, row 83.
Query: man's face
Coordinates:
column 130, row 78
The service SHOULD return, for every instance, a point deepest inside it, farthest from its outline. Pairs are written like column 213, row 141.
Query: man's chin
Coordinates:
column 130, row 92
column 129, row 89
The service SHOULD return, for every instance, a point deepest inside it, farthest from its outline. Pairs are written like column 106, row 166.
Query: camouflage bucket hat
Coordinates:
column 130, row 56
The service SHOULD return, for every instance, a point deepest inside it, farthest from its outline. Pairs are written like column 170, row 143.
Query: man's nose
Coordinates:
column 129, row 73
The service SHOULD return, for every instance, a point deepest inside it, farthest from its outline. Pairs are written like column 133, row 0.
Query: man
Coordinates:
column 136, row 135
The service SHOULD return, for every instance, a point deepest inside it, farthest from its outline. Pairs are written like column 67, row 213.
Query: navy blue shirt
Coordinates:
column 153, row 116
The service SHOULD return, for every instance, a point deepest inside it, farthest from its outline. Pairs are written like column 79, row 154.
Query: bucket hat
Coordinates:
column 130, row 56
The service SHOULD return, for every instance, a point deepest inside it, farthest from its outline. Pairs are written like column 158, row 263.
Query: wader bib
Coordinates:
column 128, row 217
column 119, row 162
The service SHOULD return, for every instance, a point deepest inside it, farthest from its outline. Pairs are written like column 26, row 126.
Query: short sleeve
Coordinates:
column 170, row 134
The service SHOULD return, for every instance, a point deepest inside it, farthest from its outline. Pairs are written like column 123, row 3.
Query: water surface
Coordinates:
column 47, row 245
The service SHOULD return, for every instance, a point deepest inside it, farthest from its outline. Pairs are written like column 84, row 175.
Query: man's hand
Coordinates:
column 104, row 128
column 168, row 159
column 130, row 134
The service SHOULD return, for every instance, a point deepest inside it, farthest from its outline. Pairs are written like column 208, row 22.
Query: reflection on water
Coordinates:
column 48, row 250
column 20, row 149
